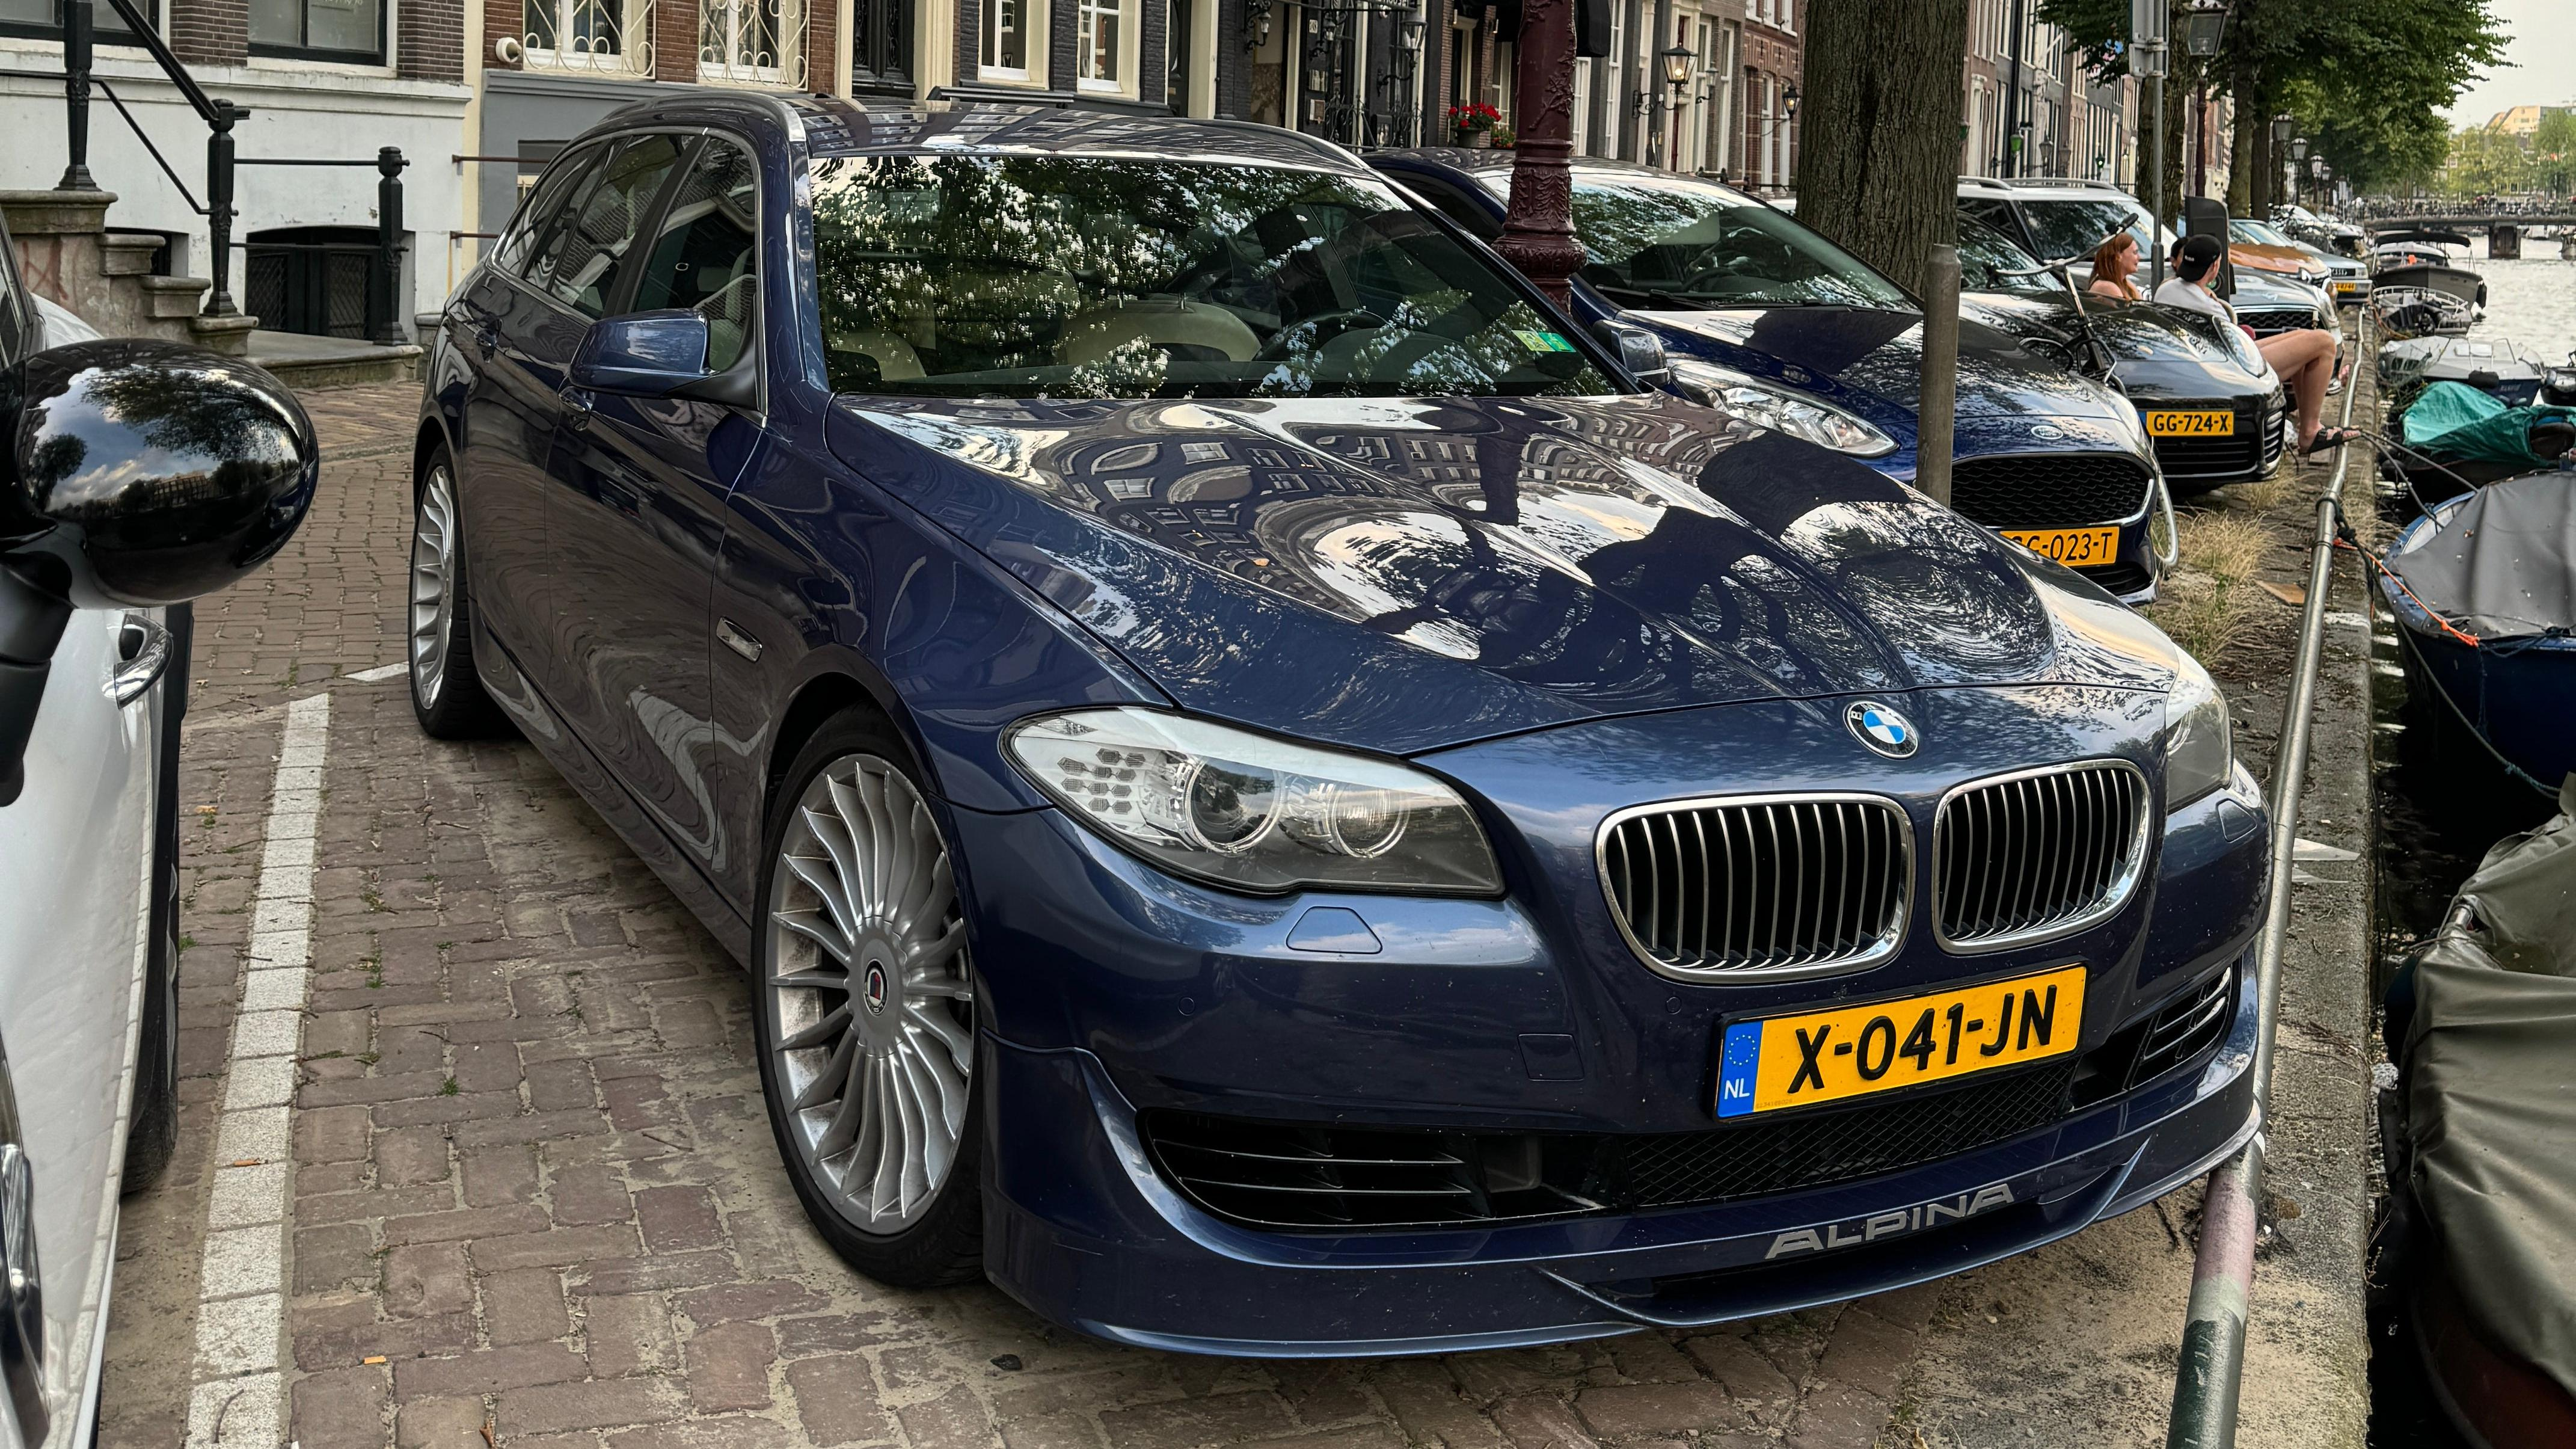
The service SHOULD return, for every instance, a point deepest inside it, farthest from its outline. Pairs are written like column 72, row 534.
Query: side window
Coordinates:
column 545, row 204
column 1451, row 203
column 581, row 262
column 707, row 256
column 1996, row 214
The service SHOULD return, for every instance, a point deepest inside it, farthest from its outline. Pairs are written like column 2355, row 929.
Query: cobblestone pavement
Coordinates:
column 535, row 1200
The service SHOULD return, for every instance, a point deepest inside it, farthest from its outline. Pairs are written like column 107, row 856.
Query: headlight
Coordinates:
column 2199, row 747
column 1254, row 813
column 1778, row 408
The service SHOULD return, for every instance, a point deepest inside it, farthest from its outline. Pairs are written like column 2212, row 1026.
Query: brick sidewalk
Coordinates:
column 536, row 1201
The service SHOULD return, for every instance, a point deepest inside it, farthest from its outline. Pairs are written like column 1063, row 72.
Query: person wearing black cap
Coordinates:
column 2304, row 359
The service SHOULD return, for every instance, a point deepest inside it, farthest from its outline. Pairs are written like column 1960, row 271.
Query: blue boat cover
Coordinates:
column 2501, row 562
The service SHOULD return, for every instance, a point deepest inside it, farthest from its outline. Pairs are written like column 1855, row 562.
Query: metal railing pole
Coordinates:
column 389, row 229
column 219, row 210
column 1937, row 420
column 77, row 30
column 2210, row 1376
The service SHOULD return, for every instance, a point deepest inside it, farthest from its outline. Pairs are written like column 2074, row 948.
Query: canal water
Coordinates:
column 2441, row 805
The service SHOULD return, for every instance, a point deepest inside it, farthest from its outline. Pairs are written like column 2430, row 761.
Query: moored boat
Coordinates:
column 2483, row 587
column 2417, row 285
column 2481, row 1145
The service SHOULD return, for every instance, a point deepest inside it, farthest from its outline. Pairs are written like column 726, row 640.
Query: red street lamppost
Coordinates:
column 1538, row 227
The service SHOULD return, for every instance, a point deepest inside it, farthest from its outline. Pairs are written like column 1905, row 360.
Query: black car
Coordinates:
column 1764, row 318
column 2213, row 407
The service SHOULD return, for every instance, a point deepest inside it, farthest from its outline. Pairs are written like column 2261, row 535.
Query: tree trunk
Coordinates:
column 2177, row 110
column 2242, row 150
column 1878, row 167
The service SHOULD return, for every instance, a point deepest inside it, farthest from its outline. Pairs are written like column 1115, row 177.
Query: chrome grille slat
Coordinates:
column 2038, row 853
column 1759, row 884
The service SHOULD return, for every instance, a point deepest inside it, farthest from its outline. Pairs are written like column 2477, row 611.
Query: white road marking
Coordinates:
column 381, row 671
column 239, row 1400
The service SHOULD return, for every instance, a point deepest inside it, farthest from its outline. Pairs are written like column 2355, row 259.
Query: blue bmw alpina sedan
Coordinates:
column 1275, row 799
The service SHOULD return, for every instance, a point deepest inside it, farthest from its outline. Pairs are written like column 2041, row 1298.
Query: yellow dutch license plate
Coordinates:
column 2074, row 547
column 2209, row 423
column 1825, row 1056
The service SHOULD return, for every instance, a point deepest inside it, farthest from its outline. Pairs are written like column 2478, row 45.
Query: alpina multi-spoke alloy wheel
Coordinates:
column 446, row 695
column 867, row 1013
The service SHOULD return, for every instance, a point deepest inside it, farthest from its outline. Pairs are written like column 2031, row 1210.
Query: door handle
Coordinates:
column 576, row 403
column 143, row 652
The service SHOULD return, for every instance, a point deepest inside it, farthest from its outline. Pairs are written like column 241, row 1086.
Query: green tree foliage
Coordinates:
column 2553, row 149
column 2368, row 80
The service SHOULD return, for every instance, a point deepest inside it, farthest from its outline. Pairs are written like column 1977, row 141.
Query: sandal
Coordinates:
column 2329, row 439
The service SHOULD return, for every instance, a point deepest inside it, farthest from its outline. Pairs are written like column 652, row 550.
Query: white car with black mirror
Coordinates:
column 135, row 475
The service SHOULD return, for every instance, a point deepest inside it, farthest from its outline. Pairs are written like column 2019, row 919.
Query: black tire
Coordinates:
column 943, row 1244
column 152, row 1138
column 451, row 704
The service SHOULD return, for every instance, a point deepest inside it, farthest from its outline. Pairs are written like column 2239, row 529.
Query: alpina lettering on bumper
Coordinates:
column 1870, row 1229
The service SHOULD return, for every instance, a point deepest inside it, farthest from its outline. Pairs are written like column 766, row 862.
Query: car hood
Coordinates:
column 1404, row 574
column 2155, row 353
column 1870, row 360
column 2271, row 258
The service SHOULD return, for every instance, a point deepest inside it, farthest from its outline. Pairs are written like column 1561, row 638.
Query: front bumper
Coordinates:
column 1118, row 993
column 1081, row 1228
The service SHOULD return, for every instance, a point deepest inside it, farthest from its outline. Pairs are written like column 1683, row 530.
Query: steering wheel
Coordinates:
column 1325, row 327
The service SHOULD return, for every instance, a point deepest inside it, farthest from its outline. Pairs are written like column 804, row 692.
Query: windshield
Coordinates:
column 1046, row 276
column 1671, row 241
column 1987, row 257
column 2074, row 227
column 2255, row 233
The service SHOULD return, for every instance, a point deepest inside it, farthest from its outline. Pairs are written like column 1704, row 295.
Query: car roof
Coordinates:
column 1460, row 158
column 833, row 126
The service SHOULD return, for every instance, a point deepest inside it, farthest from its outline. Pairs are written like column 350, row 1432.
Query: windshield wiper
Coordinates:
column 1656, row 294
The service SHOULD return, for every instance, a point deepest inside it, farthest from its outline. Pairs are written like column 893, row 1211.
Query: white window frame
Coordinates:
column 1033, row 42
column 634, row 34
column 1085, row 19
column 723, row 58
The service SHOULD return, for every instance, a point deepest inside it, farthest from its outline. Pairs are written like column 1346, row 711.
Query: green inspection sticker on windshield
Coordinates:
column 1542, row 341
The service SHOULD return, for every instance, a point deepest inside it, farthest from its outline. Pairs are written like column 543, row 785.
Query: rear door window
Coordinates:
column 545, row 206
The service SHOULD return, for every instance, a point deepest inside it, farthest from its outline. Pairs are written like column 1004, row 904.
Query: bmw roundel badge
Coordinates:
column 1880, row 728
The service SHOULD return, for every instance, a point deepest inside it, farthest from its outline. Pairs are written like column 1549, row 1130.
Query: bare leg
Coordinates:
column 2305, row 361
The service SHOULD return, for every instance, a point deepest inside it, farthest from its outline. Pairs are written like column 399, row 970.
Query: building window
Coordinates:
column 611, row 36
column 323, row 29
column 751, row 42
column 44, row 19
column 1098, row 30
column 880, row 46
column 1008, row 25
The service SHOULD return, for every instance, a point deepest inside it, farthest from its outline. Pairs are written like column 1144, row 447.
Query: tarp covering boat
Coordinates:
column 2491, row 1120
column 2455, row 420
column 2483, row 589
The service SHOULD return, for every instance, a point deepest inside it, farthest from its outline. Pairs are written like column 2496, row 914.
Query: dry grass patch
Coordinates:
column 2209, row 600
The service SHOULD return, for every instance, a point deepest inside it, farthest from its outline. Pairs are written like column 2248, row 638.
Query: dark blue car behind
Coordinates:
column 1764, row 317
column 1275, row 801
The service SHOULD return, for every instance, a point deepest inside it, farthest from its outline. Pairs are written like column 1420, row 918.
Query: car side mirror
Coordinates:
column 135, row 473
column 643, row 354
column 1640, row 351
column 145, row 473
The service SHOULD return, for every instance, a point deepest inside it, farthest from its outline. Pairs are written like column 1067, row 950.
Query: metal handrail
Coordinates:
column 220, row 116
column 2211, row 1371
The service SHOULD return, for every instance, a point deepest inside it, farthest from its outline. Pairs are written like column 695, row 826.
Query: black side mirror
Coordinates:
column 146, row 473
column 1640, row 351
column 135, row 473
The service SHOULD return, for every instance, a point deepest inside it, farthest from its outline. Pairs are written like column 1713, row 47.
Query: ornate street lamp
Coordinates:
column 2204, row 25
column 1789, row 99
column 2282, row 125
column 1677, row 64
column 2299, row 148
